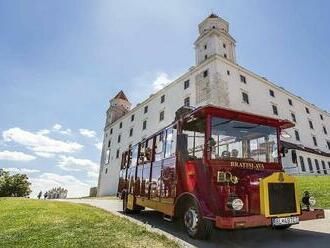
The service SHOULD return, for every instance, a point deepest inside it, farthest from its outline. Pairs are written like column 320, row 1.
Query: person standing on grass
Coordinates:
column 39, row 195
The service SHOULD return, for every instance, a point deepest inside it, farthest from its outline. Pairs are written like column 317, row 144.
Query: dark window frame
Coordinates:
column 245, row 97
column 162, row 115
column 144, row 125
column 205, row 73
column 314, row 141
column 162, row 99
column 243, row 79
column 186, row 84
column 302, row 163
column 307, row 110
column 275, row 110
column 185, row 101
column 296, row 133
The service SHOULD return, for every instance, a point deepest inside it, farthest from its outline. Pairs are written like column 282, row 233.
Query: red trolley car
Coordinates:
column 214, row 167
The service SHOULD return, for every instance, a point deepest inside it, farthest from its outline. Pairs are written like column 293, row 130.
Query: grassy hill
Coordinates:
column 39, row 223
column 319, row 186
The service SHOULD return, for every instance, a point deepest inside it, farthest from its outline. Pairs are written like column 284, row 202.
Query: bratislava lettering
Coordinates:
column 247, row 165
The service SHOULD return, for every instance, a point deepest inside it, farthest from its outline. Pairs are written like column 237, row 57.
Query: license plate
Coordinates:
column 285, row 221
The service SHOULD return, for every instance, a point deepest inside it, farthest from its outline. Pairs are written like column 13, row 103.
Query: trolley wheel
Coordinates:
column 195, row 225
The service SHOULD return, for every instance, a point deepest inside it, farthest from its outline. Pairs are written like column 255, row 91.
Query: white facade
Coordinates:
column 216, row 79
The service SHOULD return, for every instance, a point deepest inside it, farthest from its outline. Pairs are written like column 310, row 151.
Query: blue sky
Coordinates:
column 61, row 61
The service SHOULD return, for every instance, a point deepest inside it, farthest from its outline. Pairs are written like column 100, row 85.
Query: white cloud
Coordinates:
column 39, row 143
column 87, row 133
column 16, row 156
column 161, row 81
column 77, row 164
column 57, row 127
column 22, row 170
column 43, row 132
column 99, row 146
column 66, row 131
column 45, row 154
column 47, row 181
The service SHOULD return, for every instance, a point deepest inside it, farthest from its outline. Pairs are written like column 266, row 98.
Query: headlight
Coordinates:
column 312, row 201
column 236, row 204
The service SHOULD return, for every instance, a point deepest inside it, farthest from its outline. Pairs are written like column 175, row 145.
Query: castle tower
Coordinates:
column 119, row 106
column 214, row 38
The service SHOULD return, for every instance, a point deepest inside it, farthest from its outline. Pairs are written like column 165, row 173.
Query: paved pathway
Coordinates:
column 315, row 233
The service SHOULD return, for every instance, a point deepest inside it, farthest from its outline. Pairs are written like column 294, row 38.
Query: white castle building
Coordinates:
column 217, row 79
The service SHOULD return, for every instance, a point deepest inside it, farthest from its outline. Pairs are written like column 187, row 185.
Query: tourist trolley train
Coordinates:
column 214, row 167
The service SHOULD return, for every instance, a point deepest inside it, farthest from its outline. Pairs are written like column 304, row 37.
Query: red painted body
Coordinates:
column 165, row 177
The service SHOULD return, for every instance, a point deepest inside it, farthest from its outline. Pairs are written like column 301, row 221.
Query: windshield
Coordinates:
column 235, row 140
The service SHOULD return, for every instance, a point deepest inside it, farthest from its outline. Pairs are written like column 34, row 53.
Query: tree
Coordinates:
column 17, row 185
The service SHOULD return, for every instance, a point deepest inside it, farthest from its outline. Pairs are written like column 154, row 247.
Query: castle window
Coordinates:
column 225, row 55
column 205, row 73
column 205, row 56
column 307, row 110
column 321, row 116
column 161, row 115
column 109, row 143
column 245, row 97
column 310, row 165
column 224, row 45
column 132, row 118
column 144, row 125
column 187, row 102
column 302, row 163
column 117, row 153
column 310, row 124
column 296, row 133
column 186, row 84
column 228, row 72
column 131, row 132
column 317, row 166
column 111, row 130
column 120, row 125
column 294, row 156
column 290, row 101
column 106, row 170
column 328, row 143
column 275, row 111
column 146, row 109
column 314, row 141
column 293, row 116
column 205, row 47
column 325, row 130
column 119, row 138
column 243, row 79
column 162, row 99
column 271, row 93
column 323, row 167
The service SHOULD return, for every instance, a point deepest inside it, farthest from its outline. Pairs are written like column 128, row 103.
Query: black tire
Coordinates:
column 195, row 225
column 284, row 227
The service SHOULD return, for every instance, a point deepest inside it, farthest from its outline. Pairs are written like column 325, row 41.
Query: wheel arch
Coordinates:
column 182, row 200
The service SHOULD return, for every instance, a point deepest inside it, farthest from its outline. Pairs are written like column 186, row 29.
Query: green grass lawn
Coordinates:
column 318, row 186
column 39, row 223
